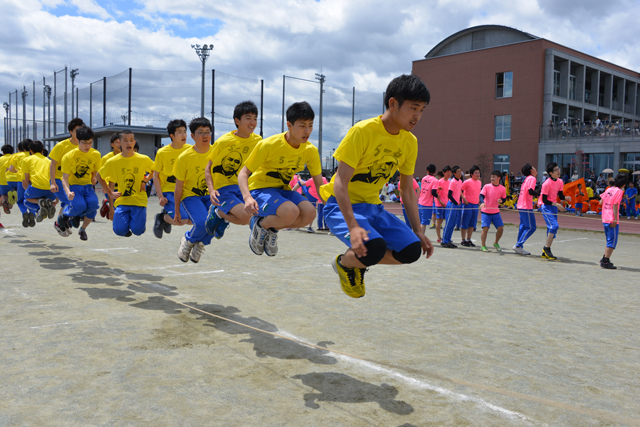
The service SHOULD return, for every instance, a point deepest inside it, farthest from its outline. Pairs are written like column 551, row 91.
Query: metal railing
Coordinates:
column 576, row 130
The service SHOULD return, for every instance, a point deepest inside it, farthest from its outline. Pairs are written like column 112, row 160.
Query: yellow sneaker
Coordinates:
column 351, row 279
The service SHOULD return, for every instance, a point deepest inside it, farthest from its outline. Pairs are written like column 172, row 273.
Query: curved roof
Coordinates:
column 480, row 37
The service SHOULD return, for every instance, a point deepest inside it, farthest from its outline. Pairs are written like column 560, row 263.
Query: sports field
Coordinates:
column 118, row 331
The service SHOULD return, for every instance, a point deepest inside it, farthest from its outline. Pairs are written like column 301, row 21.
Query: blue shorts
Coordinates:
column 440, row 212
column 127, row 218
column 170, row 207
column 469, row 216
column 229, row 197
column 13, row 185
column 4, row 189
column 550, row 215
column 494, row 218
column 425, row 214
column 579, row 207
column 270, row 199
column 37, row 193
column 612, row 235
column 378, row 222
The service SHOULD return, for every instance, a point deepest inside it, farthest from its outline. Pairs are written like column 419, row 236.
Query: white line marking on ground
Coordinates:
column 58, row 324
column 195, row 272
column 421, row 384
column 121, row 250
column 570, row 240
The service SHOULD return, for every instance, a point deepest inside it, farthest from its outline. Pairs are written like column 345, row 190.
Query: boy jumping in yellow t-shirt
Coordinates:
column 272, row 164
column 37, row 197
column 368, row 156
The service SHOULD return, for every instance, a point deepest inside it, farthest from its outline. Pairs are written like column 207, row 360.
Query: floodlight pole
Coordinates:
column 320, row 78
column 74, row 73
column 47, row 91
column 5, row 105
column 24, row 112
column 203, row 54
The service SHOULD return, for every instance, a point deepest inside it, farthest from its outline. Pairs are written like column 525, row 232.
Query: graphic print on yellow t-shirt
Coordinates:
column 375, row 155
column 37, row 166
column 274, row 162
column 58, row 152
column 16, row 162
column 128, row 173
column 80, row 166
column 228, row 156
column 190, row 168
column 164, row 164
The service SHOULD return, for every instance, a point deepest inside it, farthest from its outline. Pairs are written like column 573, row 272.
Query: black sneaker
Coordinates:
column 450, row 245
column 25, row 219
column 129, row 234
column 465, row 243
column 75, row 221
column 158, row 225
column 608, row 265
column 470, row 244
column 83, row 235
column 32, row 219
column 546, row 253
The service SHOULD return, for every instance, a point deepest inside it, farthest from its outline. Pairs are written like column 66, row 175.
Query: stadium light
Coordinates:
column 203, row 54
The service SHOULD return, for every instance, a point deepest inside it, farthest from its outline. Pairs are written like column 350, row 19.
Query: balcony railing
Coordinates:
column 577, row 131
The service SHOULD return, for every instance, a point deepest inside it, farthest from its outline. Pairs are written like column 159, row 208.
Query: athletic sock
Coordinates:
column 81, row 229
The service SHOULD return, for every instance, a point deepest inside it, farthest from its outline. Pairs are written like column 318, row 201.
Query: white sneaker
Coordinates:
column 257, row 236
column 311, row 230
column 271, row 243
column 518, row 250
column 196, row 252
column 185, row 249
column 628, row 217
column 525, row 252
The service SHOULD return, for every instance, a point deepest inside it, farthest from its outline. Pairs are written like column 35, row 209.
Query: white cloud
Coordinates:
column 90, row 7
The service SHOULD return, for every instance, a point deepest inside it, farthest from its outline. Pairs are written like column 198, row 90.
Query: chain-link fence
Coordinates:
column 151, row 98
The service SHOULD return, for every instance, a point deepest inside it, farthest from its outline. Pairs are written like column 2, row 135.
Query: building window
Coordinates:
column 556, row 79
column 503, row 128
column 631, row 162
column 501, row 162
column 504, row 84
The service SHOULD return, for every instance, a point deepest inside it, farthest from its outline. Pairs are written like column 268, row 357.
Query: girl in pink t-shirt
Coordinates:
column 611, row 200
column 525, row 208
column 550, row 193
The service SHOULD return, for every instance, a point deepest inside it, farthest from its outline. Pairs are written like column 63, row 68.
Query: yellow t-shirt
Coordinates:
column 16, row 162
column 37, row 166
column 58, row 152
column 228, row 156
column 375, row 155
column 4, row 165
column 274, row 162
column 165, row 160
column 80, row 166
column 128, row 173
column 190, row 168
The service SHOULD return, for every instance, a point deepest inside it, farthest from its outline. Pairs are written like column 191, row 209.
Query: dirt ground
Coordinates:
column 118, row 331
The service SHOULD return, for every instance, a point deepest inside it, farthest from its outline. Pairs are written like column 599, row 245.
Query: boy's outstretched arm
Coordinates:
column 411, row 208
column 358, row 235
column 250, row 205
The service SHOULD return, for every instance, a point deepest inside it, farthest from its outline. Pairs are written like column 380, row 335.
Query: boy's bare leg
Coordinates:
column 286, row 215
column 499, row 233
column 483, row 237
column 438, row 227
column 237, row 215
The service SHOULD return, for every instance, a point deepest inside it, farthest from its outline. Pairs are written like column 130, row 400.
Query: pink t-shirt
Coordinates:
column 444, row 183
column 471, row 189
column 293, row 183
column 612, row 196
column 492, row 194
column 525, row 200
column 312, row 188
column 455, row 186
column 426, row 198
column 415, row 187
column 551, row 188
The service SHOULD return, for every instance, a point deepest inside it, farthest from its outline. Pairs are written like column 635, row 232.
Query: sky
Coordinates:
column 361, row 43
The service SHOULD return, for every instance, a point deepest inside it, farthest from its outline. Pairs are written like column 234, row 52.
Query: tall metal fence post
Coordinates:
column 261, row 106
column 55, row 103
column 91, row 105
column 66, row 101
column 77, row 111
column 353, row 108
column 104, row 101
column 44, row 110
column 213, row 105
column 383, row 95
column 17, row 123
column 320, row 77
column 24, row 112
column 283, row 79
column 33, row 104
column 129, row 110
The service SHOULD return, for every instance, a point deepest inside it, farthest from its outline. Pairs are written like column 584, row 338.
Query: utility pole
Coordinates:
column 47, row 91
column 320, row 78
column 74, row 73
column 203, row 54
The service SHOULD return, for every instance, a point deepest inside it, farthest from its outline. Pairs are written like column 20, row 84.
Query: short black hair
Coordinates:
column 440, row 175
column 245, row 107
column 36, row 146
column 24, row 144
column 497, row 173
column 455, row 169
column 550, row 167
column 199, row 122
column 431, row 168
column 84, row 133
column 621, row 180
column 526, row 169
column 7, row 149
column 45, row 152
column 125, row 132
column 446, row 169
column 300, row 111
column 407, row 87
column 74, row 123
column 114, row 137
column 473, row 169
column 175, row 124
column 136, row 147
